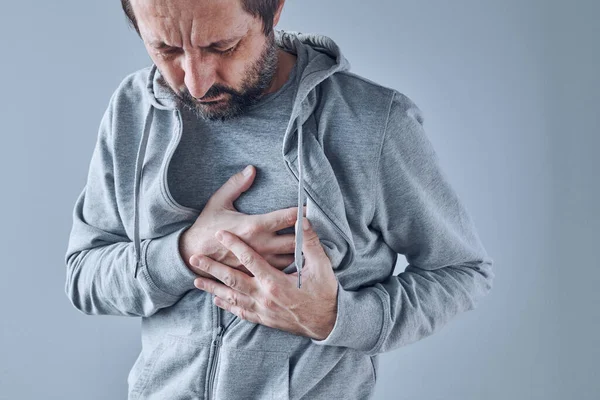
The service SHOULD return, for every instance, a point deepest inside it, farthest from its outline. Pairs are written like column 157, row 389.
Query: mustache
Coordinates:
column 212, row 93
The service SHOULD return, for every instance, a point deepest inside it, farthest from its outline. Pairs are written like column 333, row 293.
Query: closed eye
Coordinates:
column 174, row 50
column 169, row 51
column 228, row 51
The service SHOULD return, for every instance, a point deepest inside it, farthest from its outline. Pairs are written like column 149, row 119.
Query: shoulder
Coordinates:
column 131, row 91
column 126, row 109
column 368, row 98
column 365, row 110
column 357, row 89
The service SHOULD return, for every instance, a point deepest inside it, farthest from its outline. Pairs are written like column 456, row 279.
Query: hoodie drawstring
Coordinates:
column 298, row 258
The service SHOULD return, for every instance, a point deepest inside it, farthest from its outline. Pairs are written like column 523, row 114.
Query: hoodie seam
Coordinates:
column 375, row 190
column 366, row 80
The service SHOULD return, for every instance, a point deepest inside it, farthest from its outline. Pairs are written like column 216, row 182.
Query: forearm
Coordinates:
column 408, row 307
column 101, row 281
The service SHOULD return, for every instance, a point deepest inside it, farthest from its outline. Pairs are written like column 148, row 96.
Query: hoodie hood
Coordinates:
column 324, row 59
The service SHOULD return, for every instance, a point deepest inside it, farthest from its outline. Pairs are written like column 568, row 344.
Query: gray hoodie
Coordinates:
column 374, row 189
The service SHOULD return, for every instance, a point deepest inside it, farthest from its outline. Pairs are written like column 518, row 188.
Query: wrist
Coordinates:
column 186, row 252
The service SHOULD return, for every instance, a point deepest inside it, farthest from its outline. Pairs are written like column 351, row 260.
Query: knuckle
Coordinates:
column 230, row 280
column 313, row 241
column 291, row 245
column 203, row 262
column 232, row 299
column 271, row 290
column 250, row 230
column 255, row 228
column 268, row 303
column 253, row 291
column 235, row 178
column 247, row 258
column 290, row 217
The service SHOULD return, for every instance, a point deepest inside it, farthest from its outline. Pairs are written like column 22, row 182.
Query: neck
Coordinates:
column 285, row 64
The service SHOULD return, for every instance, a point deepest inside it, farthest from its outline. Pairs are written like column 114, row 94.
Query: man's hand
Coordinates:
column 259, row 231
column 272, row 297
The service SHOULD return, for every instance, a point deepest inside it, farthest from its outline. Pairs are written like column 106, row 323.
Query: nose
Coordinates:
column 199, row 74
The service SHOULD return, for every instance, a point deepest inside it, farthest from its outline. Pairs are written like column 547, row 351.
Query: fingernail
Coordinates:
column 219, row 236
column 247, row 170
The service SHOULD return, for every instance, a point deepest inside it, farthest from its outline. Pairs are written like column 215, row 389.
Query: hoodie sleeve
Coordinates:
column 419, row 215
column 100, row 257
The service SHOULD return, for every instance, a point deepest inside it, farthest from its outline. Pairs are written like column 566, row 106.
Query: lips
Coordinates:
column 211, row 100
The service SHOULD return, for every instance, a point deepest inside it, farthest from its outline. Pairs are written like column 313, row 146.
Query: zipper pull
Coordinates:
column 217, row 340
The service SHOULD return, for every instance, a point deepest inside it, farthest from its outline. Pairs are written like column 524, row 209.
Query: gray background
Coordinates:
column 510, row 95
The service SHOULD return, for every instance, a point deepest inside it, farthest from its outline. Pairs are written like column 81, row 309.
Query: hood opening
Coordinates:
column 324, row 59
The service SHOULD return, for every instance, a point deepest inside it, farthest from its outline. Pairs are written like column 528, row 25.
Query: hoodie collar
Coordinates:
column 324, row 59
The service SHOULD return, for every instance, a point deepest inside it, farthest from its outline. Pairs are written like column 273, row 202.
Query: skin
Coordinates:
column 272, row 297
column 195, row 70
column 243, row 70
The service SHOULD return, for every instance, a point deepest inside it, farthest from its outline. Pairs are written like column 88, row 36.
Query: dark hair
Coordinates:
column 263, row 9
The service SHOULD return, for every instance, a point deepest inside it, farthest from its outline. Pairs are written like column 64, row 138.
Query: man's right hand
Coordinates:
column 258, row 231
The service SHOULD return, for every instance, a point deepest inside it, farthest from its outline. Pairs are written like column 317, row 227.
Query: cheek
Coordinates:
column 171, row 71
column 233, row 71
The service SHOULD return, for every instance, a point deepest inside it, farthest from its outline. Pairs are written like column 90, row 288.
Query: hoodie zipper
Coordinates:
column 216, row 345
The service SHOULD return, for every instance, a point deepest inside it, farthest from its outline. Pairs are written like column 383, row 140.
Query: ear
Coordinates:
column 278, row 13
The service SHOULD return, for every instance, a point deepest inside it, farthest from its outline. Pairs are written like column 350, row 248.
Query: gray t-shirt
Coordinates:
column 212, row 151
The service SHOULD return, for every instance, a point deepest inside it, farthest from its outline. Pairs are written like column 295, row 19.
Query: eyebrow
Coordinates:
column 159, row 44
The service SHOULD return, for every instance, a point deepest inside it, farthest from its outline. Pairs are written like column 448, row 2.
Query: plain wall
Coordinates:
column 509, row 90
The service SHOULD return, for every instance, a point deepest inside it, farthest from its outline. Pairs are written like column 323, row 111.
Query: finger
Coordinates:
column 259, row 267
column 280, row 244
column 232, row 189
column 278, row 219
column 280, row 261
column 226, row 293
column 229, row 276
column 311, row 245
column 244, row 270
column 240, row 312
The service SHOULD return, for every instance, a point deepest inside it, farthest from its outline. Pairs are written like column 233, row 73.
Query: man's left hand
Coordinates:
column 272, row 297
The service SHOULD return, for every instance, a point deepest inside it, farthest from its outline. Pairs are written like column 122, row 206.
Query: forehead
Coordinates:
column 202, row 22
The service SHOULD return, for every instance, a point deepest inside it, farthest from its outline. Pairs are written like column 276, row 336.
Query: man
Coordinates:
column 266, row 309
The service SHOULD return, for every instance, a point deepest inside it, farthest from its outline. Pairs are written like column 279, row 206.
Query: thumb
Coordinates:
column 233, row 188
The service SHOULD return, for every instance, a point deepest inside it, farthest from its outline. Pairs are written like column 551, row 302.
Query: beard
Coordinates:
column 257, row 80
